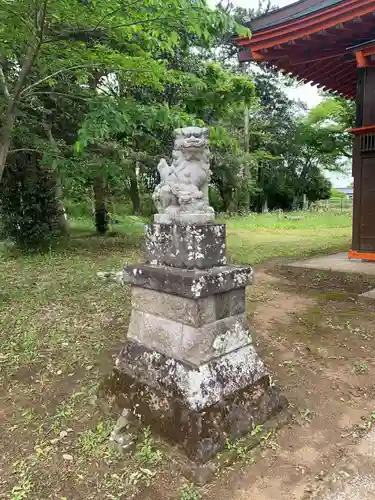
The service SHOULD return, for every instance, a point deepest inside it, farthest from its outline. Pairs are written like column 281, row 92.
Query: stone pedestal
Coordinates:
column 189, row 367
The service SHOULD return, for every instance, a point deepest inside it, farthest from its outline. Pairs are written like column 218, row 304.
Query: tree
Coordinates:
column 141, row 120
column 335, row 116
column 335, row 193
column 300, row 147
column 62, row 52
column 44, row 40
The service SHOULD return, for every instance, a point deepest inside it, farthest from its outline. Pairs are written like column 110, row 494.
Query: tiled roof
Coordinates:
column 298, row 13
column 360, row 45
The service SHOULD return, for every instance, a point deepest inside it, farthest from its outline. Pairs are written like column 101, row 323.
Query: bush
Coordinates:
column 29, row 209
column 147, row 205
column 79, row 209
column 216, row 201
column 335, row 193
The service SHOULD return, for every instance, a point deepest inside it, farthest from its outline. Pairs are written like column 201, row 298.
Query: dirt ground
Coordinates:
column 319, row 344
column 317, row 339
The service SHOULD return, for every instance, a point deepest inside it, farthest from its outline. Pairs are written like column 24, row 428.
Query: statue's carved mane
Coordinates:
column 182, row 195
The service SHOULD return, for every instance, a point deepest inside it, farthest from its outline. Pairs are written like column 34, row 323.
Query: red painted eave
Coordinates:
column 314, row 48
column 309, row 25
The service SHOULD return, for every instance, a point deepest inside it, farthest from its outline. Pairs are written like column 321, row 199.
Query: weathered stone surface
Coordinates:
column 189, row 283
column 182, row 195
column 187, row 343
column 201, row 473
column 201, row 432
column 189, row 368
column 237, row 300
column 121, row 439
column 191, row 246
column 193, row 312
column 197, row 386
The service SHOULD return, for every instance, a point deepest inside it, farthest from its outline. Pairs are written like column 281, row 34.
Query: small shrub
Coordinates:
column 94, row 442
column 147, row 453
column 188, row 492
column 361, row 368
column 29, row 209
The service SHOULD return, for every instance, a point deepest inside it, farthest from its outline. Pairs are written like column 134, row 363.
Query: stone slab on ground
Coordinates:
column 202, row 423
column 338, row 262
column 368, row 295
column 359, row 488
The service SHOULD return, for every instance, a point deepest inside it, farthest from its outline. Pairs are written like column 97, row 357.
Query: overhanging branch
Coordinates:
column 23, row 149
column 119, row 9
column 63, row 70
column 26, row 90
column 52, row 93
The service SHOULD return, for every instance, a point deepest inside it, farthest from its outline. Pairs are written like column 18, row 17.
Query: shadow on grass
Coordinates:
column 92, row 243
column 83, row 240
column 83, row 243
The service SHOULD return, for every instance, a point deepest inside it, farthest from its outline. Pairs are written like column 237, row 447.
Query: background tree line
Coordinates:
column 91, row 91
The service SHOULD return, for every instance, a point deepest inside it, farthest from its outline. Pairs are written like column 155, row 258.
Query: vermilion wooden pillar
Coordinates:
column 363, row 240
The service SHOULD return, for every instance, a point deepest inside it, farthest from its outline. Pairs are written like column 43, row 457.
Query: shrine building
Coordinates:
column 331, row 44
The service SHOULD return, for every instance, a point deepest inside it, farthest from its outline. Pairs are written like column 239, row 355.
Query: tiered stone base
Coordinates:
column 189, row 368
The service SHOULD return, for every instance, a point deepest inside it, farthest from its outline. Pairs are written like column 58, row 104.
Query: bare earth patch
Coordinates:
column 320, row 353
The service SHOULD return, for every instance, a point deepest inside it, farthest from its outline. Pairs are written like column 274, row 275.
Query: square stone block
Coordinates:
column 193, row 312
column 188, row 343
column 198, row 387
column 197, row 246
column 190, row 283
column 200, row 434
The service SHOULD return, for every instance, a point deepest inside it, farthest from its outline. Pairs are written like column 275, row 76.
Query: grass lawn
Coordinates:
column 60, row 328
column 258, row 238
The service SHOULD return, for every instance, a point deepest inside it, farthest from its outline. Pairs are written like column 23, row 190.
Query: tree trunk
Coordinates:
column 63, row 219
column 13, row 101
column 5, row 134
column 246, row 201
column 305, row 203
column 265, row 207
column 100, row 201
column 296, row 203
column 223, row 197
column 134, row 192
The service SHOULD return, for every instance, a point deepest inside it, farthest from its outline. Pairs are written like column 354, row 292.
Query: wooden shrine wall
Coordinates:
column 364, row 164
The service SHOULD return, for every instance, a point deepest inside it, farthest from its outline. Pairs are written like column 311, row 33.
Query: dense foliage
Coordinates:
column 31, row 213
column 95, row 88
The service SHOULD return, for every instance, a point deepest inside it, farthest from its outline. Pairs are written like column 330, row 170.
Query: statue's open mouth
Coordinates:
column 194, row 142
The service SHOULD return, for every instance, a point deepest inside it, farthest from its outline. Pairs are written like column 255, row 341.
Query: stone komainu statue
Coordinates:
column 182, row 195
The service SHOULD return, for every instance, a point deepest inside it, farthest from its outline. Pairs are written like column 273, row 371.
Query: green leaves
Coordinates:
column 110, row 80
